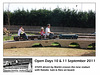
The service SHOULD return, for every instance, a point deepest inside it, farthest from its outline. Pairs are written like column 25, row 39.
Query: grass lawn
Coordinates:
column 5, row 37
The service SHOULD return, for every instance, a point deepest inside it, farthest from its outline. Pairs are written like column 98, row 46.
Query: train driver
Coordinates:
column 21, row 33
column 48, row 32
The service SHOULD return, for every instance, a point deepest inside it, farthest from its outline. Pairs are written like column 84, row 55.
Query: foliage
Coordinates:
column 57, row 17
column 5, row 38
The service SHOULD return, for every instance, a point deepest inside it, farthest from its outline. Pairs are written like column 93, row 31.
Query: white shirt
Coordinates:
column 47, row 30
column 16, row 61
column 19, row 31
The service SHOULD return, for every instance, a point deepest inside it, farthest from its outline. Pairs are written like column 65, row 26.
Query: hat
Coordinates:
column 42, row 28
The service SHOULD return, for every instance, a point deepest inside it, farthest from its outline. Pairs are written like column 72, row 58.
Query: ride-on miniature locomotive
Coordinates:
column 68, row 36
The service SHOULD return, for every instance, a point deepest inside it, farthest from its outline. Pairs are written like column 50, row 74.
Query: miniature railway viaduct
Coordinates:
column 83, row 43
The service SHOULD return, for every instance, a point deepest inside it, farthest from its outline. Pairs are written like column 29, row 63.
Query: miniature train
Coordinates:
column 13, row 63
column 39, row 37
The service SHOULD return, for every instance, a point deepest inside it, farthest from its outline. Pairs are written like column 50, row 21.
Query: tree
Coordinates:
column 57, row 17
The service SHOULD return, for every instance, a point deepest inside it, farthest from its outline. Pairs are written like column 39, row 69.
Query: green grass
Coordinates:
column 74, row 45
column 55, row 44
column 36, row 45
column 14, row 34
column 90, row 46
column 5, row 37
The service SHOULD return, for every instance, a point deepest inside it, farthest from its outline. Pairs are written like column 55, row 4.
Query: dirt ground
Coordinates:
column 48, row 51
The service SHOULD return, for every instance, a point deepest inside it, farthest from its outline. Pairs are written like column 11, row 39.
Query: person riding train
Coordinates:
column 21, row 33
column 43, row 33
column 48, row 32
